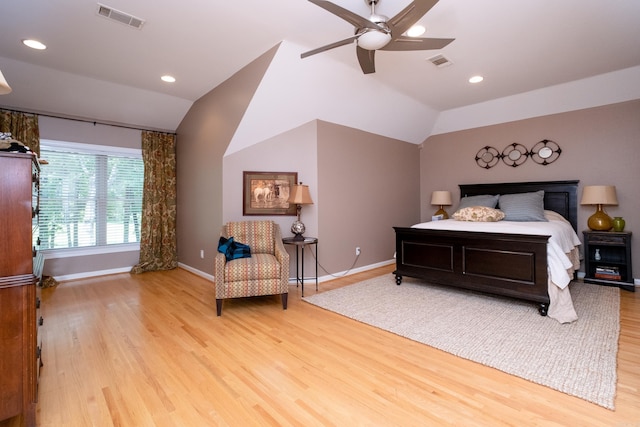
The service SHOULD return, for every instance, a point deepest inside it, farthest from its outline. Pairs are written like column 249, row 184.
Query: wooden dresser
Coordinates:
column 20, row 275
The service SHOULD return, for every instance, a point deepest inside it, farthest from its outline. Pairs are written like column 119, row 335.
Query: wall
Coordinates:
column 599, row 147
column 292, row 151
column 362, row 185
column 73, row 263
column 368, row 184
column 202, row 139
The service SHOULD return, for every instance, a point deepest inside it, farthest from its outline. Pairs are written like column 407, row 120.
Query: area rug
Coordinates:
column 577, row 358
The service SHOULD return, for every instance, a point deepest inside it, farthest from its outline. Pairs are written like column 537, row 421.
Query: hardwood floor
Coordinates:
column 148, row 350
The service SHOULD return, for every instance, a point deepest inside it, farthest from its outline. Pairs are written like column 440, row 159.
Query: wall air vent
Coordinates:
column 440, row 61
column 119, row 16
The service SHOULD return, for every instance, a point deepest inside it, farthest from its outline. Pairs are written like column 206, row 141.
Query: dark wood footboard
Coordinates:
column 512, row 265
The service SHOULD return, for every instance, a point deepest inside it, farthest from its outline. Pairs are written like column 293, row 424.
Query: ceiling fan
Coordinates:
column 378, row 32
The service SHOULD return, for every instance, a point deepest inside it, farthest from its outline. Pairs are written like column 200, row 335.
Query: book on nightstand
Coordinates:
column 607, row 273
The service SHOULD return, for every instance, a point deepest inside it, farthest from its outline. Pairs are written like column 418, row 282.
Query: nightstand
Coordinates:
column 607, row 257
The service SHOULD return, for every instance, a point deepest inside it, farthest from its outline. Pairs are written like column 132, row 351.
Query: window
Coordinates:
column 89, row 195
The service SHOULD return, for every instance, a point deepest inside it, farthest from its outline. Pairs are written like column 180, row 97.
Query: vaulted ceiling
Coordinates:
column 103, row 70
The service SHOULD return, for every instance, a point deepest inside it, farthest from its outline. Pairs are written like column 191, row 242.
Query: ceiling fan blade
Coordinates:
column 355, row 20
column 330, row 46
column 409, row 15
column 416, row 43
column 366, row 60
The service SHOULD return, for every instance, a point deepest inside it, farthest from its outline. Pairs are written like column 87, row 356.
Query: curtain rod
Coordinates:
column 95, row 122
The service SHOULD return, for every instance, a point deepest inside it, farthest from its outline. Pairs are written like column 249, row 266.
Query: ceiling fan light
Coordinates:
column 416, row 31
column 374, row 40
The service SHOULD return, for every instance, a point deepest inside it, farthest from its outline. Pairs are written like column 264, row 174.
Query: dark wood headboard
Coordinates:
column 559, row 196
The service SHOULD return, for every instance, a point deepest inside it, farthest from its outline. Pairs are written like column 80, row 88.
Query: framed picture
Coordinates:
column 267, row 193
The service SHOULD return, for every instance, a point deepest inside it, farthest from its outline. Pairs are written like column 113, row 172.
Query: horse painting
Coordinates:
column 264, row 192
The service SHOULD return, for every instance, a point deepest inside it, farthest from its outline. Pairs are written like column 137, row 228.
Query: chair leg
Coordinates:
column 219, row 306
column 285, row 297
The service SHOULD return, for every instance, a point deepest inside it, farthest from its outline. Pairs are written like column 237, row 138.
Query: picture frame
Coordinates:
column 267, row 193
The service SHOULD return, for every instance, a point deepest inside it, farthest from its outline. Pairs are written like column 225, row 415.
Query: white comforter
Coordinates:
column 562, row 253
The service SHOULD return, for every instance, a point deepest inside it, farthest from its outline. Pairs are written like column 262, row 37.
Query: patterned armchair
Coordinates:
column 266, row 272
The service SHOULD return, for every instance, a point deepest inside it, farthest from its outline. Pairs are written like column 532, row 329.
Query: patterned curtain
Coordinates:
column 158, row 244
column 23, row 127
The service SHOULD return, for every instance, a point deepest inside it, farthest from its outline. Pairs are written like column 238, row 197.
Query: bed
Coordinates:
column 508, row 264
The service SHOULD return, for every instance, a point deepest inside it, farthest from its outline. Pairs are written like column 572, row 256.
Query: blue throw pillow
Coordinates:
column 232, row 249
column 240, row 250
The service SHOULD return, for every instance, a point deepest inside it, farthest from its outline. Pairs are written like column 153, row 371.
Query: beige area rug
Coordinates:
column 577, row 358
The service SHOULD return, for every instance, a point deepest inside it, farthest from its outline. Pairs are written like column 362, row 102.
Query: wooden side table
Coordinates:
column 607, row 257
column 300, row 244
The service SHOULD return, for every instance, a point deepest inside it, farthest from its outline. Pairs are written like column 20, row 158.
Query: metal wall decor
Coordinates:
column 543, row 153
column 514, row 155
column 487, row 157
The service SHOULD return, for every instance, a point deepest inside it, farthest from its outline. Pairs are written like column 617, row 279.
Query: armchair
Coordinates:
column 266, row 272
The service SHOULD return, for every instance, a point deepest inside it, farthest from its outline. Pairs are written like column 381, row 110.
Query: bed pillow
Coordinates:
column 523, row 206
column 487, row 200
column 478, row 214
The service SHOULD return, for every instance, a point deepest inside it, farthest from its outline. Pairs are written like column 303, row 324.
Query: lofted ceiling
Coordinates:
column 103, row 70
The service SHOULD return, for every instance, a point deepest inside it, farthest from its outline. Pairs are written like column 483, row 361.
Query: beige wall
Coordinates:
column 292, row 151
column 367, row 184
column 357, row 181
column 202, row 138
column 599, row 146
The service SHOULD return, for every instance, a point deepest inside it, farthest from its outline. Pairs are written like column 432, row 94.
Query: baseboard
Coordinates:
column 88, row 274
column 197, row 272
column 346, row 272
column 293, row 279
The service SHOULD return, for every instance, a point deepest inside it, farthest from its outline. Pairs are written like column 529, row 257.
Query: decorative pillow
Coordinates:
column 523, row 206
column 478, row 214
column 483, row 200
column 224, row 245
column 240, row 250
column 232, row 249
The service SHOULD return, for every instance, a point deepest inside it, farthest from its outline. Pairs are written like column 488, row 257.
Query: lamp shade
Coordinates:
column 599, row 195
column 4, row 86
column 442, row 198
column 300, row 195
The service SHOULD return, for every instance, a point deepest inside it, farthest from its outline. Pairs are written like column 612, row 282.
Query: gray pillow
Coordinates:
column 523, row 206
column 486, row 200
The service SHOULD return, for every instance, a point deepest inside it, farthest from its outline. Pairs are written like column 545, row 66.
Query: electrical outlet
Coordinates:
column 202, row 253
column 357, row 250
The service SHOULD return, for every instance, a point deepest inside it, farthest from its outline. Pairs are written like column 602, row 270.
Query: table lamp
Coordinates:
column 299, row 196
column 599, row 195
column 441, row 198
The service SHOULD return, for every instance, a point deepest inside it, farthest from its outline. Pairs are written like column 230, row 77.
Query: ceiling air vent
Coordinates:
column 119, row 16
column 440, row 61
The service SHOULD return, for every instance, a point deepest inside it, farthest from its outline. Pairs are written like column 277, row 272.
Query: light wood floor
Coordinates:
column 148, row 350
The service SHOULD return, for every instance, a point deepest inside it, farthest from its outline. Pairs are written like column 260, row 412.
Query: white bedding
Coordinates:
column 562, row 253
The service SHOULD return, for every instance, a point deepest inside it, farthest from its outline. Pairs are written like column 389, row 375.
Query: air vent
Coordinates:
column 440, row 61
column 119, row 16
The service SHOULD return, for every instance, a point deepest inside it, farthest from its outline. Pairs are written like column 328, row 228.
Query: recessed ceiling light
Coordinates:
column 34, row 44
column 476, row 79
column 416, row 31
column 168, row 79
